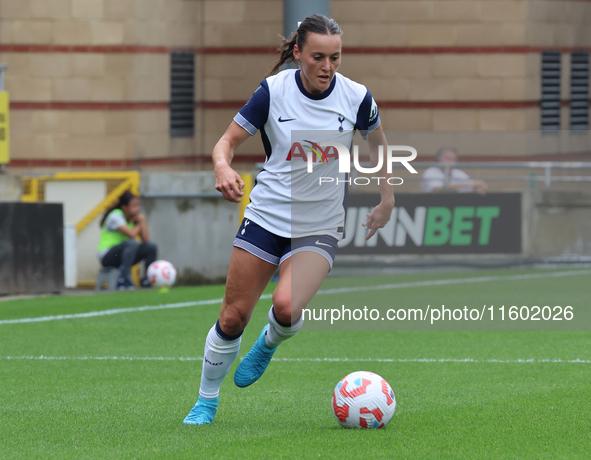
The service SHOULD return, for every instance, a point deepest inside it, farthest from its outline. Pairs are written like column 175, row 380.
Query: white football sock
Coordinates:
column 277, row 332
column 220, row 352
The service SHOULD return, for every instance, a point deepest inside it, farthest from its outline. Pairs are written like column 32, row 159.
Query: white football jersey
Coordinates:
column 287, row 200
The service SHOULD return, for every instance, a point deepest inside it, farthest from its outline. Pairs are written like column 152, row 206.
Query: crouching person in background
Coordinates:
column 118, row 247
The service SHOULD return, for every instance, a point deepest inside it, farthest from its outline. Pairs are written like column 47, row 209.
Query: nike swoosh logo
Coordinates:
column 322, row 244
column 284, row 120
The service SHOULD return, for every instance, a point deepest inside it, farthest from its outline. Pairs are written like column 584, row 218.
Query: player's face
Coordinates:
column 132, row 209
column 448, row 157
column 319, row 59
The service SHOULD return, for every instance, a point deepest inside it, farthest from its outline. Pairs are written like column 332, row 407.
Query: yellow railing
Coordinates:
column 130, row 180
column 132, row 183
column 247, row 178
column 32, row 186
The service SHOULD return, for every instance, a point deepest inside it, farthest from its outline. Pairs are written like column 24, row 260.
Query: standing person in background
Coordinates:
column 433, row 179
column 118, row 247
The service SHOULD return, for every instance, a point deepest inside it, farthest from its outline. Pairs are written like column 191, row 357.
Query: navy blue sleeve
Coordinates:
column 255, row 112
column 368, row 115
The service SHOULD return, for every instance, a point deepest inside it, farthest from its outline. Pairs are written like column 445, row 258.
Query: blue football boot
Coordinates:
column 255, row 362
column 203, row 412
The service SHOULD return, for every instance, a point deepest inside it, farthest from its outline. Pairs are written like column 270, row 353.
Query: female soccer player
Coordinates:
column 286, row 224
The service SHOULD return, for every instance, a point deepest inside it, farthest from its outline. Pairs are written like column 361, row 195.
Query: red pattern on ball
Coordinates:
column 342, row 412
column 360, row 390
column 386, row 391
column 377, row 413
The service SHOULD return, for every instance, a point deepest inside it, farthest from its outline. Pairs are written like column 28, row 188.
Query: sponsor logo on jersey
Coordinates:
column 302, row 149
column 283, row 120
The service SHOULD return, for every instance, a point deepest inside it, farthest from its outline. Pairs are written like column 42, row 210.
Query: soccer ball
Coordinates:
column 161, row 274
column 363, row 400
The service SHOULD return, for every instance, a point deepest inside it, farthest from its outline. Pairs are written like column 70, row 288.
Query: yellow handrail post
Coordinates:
column 109, row 200
column 33, row 195
column 247, row 178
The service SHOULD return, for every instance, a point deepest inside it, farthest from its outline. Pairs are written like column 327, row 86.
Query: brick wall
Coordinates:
column 89, row 79
column 100, row 22
column 102, row 69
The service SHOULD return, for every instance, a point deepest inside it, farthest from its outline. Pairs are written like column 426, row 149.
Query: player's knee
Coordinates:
column 232, row 321
column 282, row 306
column 151, row 248
column 131, row 243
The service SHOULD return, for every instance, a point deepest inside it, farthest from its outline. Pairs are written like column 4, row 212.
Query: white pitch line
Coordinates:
column 329, row 360
column 455, row 281
column 379, row 287
column 113, row 311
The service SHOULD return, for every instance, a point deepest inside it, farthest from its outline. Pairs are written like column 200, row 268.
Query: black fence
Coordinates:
column 31, row 248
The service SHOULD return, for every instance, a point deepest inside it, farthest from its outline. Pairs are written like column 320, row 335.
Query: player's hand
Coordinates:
column 378, row 218
column 140, row 219
column 229, row 183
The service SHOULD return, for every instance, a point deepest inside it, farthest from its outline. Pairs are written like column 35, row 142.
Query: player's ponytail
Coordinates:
column 124, row 200
column 286, row 54
column 316, row 23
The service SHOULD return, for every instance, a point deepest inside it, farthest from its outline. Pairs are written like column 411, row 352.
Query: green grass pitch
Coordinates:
column 73, row 405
